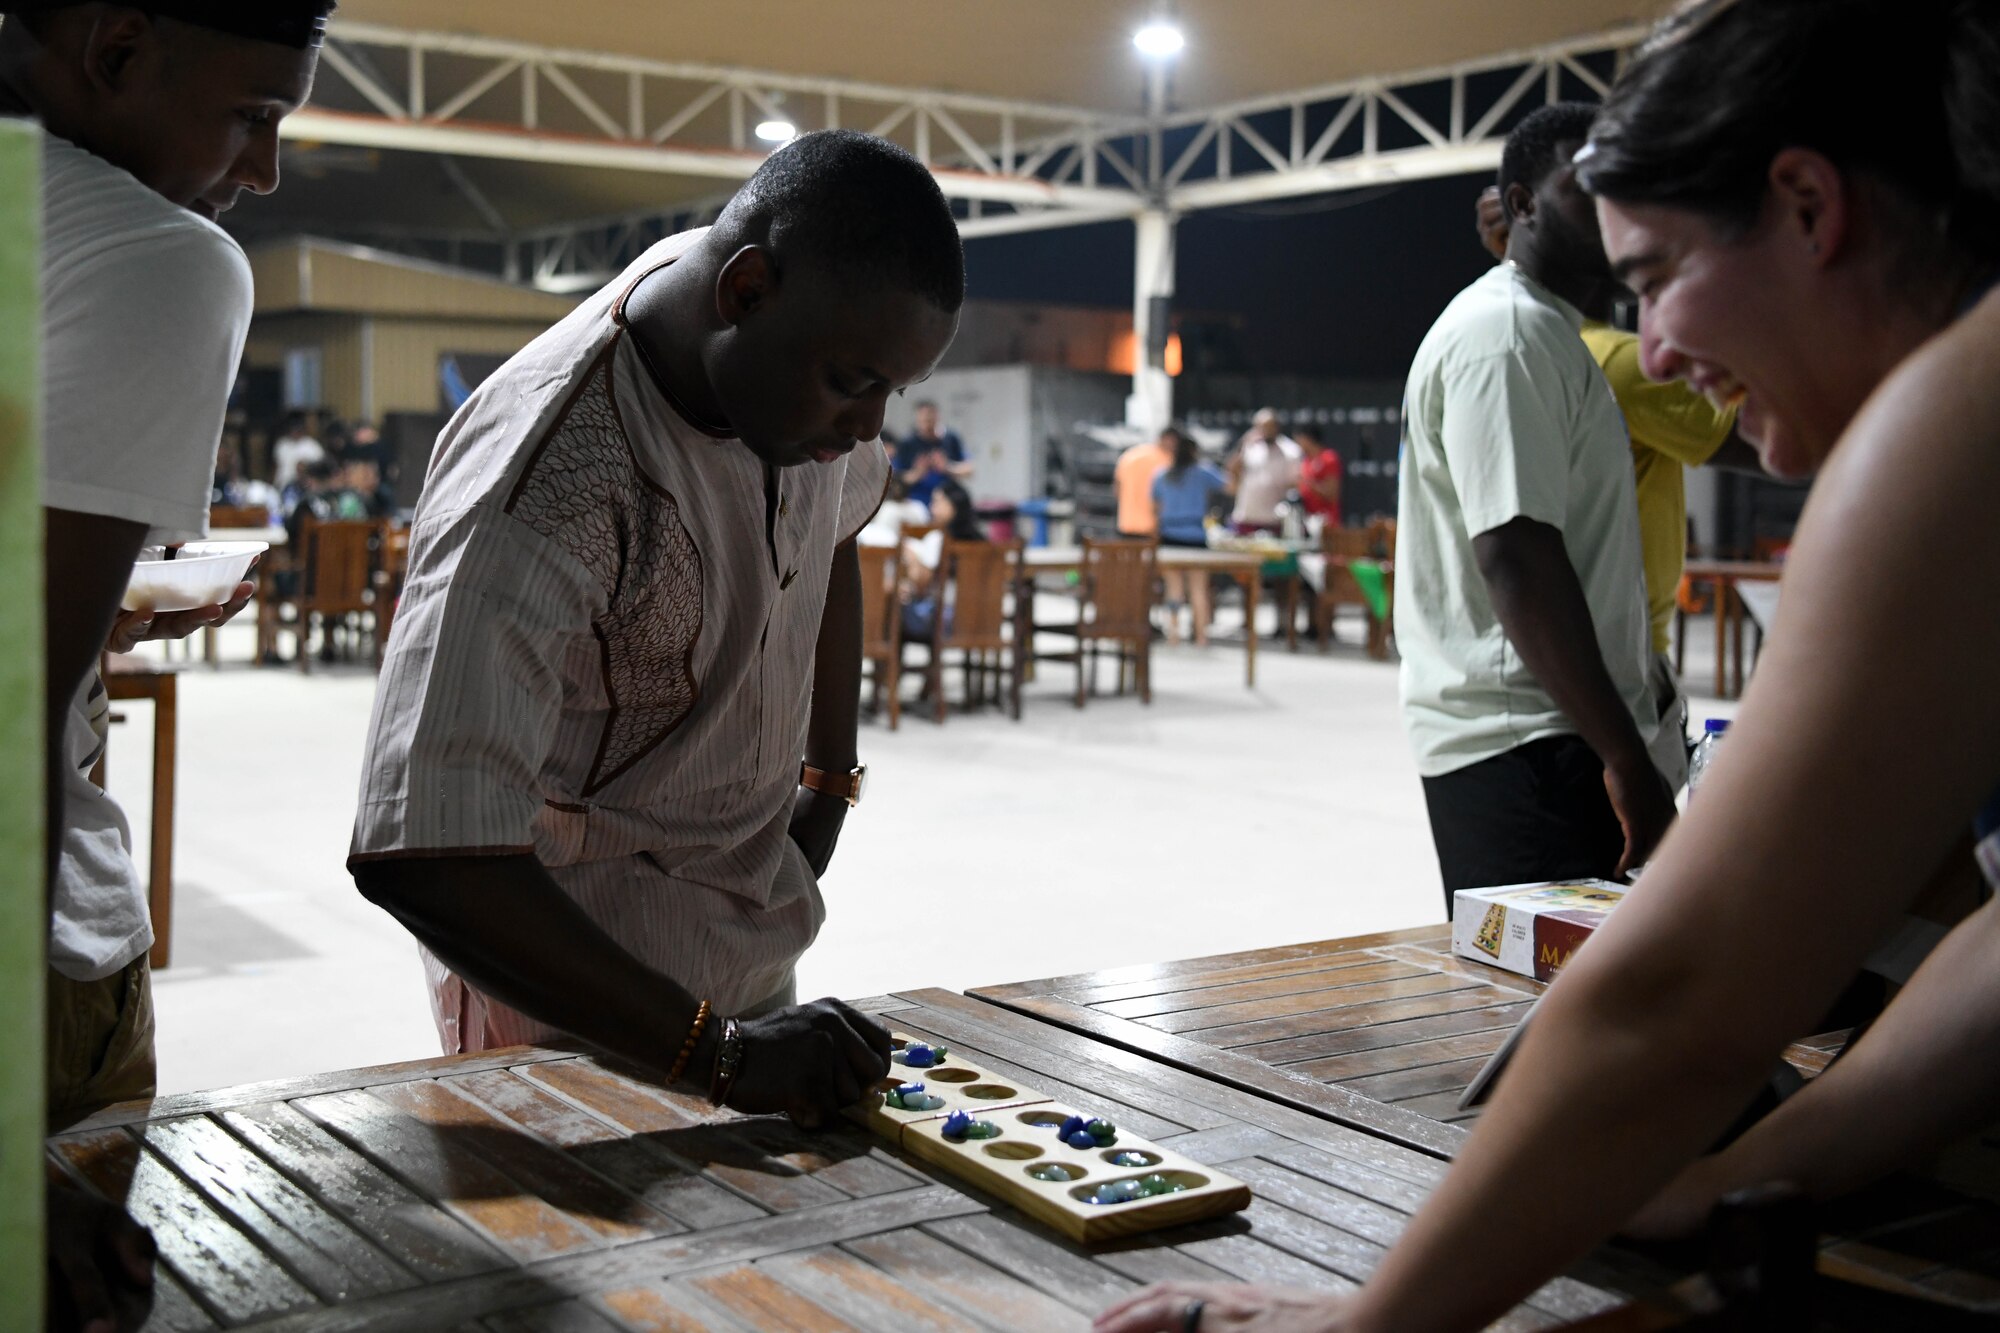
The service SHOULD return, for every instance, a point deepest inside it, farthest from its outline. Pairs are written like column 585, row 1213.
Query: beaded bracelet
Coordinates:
column 687, row 1047
column 728, row 1062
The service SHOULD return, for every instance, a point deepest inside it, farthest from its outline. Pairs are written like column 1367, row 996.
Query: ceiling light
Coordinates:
column 777, row 131
column 1159, row 40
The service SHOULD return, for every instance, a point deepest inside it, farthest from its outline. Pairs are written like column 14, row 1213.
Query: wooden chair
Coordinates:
column 1116, row 591
column 238, row 516
column 335, row 560
column 128, row 677
column 882, row 627
column 972, row 619
column 391, row 569
column 1341, row 547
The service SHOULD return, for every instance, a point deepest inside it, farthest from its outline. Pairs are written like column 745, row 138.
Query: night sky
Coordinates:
column 1343, row 285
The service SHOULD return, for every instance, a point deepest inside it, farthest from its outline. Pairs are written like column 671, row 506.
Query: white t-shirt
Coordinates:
column 1270, row 468
column 886, row 528
column 1507, row 416
column 291, row 453
column 144, row 311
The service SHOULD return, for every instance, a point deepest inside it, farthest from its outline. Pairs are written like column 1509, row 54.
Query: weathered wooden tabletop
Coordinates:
column 1384, row 1032
column 535, row 1190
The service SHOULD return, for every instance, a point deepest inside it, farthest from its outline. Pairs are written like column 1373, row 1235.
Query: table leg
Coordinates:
column 160, row 878
column 1721, row 638
column 1250, row 585
column 1736, row 613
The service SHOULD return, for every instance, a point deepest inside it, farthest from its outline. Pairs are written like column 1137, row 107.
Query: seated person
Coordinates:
column 1833, row 275
column 633, row 610
column 898, row 511
column 951, row 507
column 1183, row 496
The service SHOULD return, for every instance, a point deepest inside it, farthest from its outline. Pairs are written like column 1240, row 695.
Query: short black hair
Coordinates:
column 856, row 203
column 1530, row 154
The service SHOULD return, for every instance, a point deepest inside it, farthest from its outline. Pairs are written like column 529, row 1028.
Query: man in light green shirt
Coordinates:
column 1520, row 602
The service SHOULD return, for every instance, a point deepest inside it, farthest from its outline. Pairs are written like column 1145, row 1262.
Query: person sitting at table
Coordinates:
column 952, row 510
column 633, row 607
column 898, row 511
column 1833, row 275
column 1183, row 495
column 1520, row 601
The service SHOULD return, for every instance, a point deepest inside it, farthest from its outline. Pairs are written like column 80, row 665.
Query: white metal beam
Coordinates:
column 466, row 140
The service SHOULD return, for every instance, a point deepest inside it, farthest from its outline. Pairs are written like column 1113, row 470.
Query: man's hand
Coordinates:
column 1490, row 217
column 1226, row 1307
column 809, row 1062
column 815, row 827
column 100, row 1264
column 1644, row 805
column 133, row 628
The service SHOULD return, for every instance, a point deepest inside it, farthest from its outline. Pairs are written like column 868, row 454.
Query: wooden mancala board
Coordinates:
column 1014, row 1148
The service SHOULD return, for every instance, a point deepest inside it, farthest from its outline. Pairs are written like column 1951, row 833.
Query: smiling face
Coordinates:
column 1751, row 321
column 805, row 368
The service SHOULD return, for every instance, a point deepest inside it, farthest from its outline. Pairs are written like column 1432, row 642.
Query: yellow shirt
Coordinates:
column 1133, row 480
column 1671, row 426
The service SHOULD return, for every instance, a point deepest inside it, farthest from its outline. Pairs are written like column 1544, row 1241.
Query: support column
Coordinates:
column 1151, row 405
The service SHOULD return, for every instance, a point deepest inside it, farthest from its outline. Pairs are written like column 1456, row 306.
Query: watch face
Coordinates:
column 860, row 785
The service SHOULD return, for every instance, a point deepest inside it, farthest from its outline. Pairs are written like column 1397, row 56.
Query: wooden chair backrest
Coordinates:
column 1383, row 533
column 238, row 516
column 1349, row 543
column 1120, row 578
column 979, row 575
column 337, row 564
column 881, row 615
column 918, row 531
column 395, row 550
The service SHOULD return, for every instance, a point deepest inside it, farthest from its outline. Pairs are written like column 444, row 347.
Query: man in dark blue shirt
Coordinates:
column 928, row 455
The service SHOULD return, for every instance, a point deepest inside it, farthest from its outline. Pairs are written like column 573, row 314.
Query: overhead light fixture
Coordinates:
column 777, row 131
column 1160, row 40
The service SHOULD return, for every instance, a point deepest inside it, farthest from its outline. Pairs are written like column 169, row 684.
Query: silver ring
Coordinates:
column 1191, row 1321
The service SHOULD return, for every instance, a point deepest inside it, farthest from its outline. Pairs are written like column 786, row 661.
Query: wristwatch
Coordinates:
column 847, row 786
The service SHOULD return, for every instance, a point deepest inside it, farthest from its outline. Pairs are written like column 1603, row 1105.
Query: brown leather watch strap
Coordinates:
column 847, row 786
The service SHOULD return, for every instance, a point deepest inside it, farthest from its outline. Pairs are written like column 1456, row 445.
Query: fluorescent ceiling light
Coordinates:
column 1159, row 40
column 777, row 131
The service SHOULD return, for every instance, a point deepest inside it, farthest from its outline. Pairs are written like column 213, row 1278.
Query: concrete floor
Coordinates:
column 1220, row 818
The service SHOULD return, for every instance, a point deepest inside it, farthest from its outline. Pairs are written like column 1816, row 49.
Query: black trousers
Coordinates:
column 1537, row 812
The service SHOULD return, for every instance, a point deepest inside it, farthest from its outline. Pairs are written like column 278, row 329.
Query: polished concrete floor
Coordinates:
column 1220, row 818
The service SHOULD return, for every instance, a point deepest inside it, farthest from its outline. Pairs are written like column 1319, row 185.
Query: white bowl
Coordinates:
column 203, row 574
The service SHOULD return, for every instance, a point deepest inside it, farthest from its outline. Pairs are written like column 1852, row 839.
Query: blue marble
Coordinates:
column 1081, row 1140
column 918, row 1056
column 1072, row 1125
column 956, row 1124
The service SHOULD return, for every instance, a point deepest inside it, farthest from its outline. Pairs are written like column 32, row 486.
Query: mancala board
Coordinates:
column 1086, row 1178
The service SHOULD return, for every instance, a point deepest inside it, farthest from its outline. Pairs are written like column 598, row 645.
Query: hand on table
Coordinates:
column 815, row 827
column 1644, row 805
column 133, row 628
column 100, row 1265
column 1225, row 1308
column 809, row 1061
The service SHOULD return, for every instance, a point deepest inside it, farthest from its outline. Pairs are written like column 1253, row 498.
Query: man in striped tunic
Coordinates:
column 633, row 608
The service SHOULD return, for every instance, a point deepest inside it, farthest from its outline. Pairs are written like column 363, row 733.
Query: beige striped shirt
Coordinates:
column 601, row 658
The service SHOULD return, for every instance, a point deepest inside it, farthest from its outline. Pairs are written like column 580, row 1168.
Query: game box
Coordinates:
column 1531, row 929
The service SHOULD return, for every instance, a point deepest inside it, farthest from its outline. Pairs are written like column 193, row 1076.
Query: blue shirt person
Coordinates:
column 928, row 455
column 1181, row 494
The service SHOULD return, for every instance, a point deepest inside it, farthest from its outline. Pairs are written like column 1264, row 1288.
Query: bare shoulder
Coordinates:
column 1925, row 449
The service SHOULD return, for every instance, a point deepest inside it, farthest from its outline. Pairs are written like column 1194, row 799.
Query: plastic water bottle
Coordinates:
column 1713, row 731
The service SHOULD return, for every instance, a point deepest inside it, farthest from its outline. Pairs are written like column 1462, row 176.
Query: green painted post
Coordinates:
column 23, row 919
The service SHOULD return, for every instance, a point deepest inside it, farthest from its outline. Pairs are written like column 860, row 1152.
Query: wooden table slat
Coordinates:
column 754, row 1295
column 317, row 1246
column 419, row 1235
column 861, row 1293
column 1324, row 982
column 1301, row 972
column 232, row 1277
column 976, row 1290
column 560, row 1317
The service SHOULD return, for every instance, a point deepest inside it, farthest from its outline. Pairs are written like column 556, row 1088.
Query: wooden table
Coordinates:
column 1383, row 1033
column 1725, row 575
column 533, row 1190
column 1246, row 568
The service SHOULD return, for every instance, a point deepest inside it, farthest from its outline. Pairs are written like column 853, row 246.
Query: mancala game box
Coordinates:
column 1531, row 929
